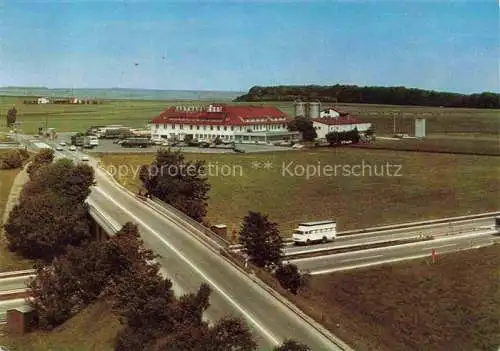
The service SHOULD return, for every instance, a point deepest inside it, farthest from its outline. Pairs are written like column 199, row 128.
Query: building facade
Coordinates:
column 239, row 124
column 325, row 125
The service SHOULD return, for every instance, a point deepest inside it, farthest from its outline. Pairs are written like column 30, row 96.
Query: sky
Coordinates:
column 233, row 45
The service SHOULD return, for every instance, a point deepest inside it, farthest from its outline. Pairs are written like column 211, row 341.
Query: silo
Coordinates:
column 300, row 108
column 314, row 108
column 420, row 127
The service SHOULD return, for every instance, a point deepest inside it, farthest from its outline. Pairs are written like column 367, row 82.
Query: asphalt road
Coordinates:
column 14, row 283
column 358, row 259
column 188, row 263
column 435, row 230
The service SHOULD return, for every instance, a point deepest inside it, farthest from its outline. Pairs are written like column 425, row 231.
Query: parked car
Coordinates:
column 59, row 148
column 72, row 148
column 84, row 158
column 62, row 143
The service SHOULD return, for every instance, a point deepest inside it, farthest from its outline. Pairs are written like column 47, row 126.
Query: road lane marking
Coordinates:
column 361, row 258
column 438, row 247
column 331, row 270
column 263, row 330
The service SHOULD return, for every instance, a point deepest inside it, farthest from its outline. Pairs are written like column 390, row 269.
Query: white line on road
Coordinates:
column 268, row 334
column 362, row 258
column 438, row 247
column 331, row 270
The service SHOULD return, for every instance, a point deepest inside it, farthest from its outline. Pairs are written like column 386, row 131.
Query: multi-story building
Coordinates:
column 229, row 123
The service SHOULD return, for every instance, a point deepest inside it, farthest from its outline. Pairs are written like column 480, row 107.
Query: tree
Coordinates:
column 305, row 126
column 292, row 345
column 289, row 277
column 179, row 183
column 11, row 159
column 84, row 274
column 11, row 116
column 43, row 158
column 261, row 239
column 51, row 213
column 40, row 227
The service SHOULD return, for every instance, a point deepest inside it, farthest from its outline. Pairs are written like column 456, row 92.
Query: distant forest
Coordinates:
column 371, row 95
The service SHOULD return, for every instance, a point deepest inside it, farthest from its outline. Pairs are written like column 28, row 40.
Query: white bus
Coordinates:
column 310, row 232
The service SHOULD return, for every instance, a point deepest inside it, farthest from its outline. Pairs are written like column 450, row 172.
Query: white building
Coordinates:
column 240, row 124
column 43, row 100
column 325, row 125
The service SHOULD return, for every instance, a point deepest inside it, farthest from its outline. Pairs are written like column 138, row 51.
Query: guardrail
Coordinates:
column 104, row 221
column 372, row 230
column 168, row 210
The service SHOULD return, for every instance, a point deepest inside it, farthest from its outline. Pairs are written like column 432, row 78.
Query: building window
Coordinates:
column 204, row 127
column 190, row 127
column 225, row 128
column 197, row 127
column 211, row 127
column 232, row 128
column 181, row 126
column 218, row 127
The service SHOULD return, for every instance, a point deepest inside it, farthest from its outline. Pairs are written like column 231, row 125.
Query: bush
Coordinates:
column 12, row 159
column 289, row 277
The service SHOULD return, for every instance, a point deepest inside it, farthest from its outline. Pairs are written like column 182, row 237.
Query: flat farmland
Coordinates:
column 136, row 113
column 414, row 305
column 428, row 185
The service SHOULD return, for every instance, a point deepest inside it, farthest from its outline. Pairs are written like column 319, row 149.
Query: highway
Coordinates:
column 188, row 263
column 365, row 258
column 434, row 230
column 14, row 283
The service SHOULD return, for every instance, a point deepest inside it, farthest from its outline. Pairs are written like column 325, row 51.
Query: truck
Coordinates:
column 86, row 141
column 136, row 142
column 313, row 232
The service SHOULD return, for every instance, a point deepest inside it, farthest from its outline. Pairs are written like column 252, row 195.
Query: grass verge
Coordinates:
column 94, row 328
column 452, row 305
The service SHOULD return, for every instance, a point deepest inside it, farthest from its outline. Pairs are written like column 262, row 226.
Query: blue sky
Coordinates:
column 233, row 45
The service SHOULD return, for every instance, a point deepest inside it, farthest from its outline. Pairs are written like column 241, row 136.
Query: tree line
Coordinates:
column 371, row 95
column 51, row 225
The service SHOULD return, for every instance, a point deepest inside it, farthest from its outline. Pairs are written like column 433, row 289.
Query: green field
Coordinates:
column 136, row 113
column 414, row 305
column 431, row 186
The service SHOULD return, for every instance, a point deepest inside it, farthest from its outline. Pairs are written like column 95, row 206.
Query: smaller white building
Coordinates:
column 323, row 126
column 43, row 100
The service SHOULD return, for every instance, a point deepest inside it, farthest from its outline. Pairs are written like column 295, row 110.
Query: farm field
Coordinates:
column 136, row 113
column 479, row 145
column 452, row 305
column 430, row 186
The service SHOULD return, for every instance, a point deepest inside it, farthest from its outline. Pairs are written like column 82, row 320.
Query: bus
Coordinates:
column 312, row 232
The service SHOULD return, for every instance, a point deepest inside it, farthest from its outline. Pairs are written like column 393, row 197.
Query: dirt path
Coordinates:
column 15, row 191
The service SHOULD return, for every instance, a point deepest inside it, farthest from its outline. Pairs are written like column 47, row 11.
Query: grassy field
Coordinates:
column 462, row 145
column 8, row 260
column 93, row 329
column 430, row 186
column 452, row 305
column 136, row 113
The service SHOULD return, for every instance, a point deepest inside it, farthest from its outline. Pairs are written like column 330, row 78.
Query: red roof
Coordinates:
column 337, row 121
column 219, row 114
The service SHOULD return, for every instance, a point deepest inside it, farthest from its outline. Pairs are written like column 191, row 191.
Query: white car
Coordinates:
column 84, row 158
column 59, row 148
column 62, row 143
column 72, row 148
